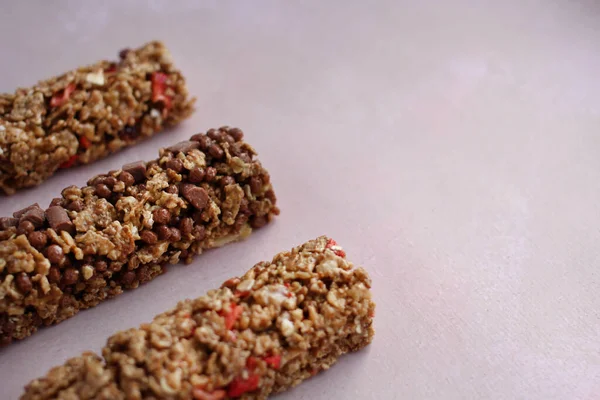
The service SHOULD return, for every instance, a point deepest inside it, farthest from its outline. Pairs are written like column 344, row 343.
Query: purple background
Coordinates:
column 452, row 148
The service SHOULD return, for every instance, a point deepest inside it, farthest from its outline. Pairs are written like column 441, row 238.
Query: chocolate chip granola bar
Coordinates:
column 124, row 227
column 263, row 333
column 88, row 113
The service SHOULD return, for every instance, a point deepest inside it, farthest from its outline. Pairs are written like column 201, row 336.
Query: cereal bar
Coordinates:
column 88, row 113
column 124, row 227
column 263, row 333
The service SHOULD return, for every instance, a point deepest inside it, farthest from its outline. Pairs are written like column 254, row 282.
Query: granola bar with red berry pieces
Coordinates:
column 86, row 114
column 124, row 227
column 260, row 334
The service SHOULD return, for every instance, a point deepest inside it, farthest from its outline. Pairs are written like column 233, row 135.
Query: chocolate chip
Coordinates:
column 258, row 222
column 148, row 237
column 54, row 275
column 151, row 164
column 271, row 196
column 203, row 141
column 128, row 278
column 20, row 213
column 210, row 174
column 213, row 134
column 172, row 189
column 123, row 53
column 244, row 206
column 184, row 147
column 175, row 235
column 266, row 178
column 255, row 185
column 161, row 216
column 126, row 178
column 57, row 201
column 216, row 151
column 25, row 227
column 196, row 175
column 37, row 239
column 227, row 180
column 199, row 232
column 186, row 225
column 229, row 139
column 184, row 254
column 100, row 266
column 23, row 283
column 236, row 133
column 55, row 254
column 59, row 219
column 176, row 164
column 76, row 206
column 70, row 276
column 7, row 222
column 102, row 190
column 255, row 206
column 115, row 197
column 137, row 169
column 164, row 232
column 240, row 220
column 197, row 217
column 6, row 325
column 109, row 181
column 197, row 196
column 35, row 216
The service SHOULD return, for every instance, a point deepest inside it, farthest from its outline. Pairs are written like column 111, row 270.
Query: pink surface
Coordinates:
column 451, row 147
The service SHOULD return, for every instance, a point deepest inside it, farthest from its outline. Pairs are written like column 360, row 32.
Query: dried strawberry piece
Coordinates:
column 62, row 95
column 274, row 361
column 239, row 386
column 332, row 244
column 111, row 68
column 232, row 316
column 84, row 142
column 242, row 294
column 251, row 363
column 201, row 394
column 159, row 85
column 69, row 163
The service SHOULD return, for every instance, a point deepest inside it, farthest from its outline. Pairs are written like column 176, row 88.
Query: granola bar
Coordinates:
column 88, row 113
column 263, row 333
column 125, row 226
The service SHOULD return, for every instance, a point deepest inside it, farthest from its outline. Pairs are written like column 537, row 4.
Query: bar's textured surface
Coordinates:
column 125, row 226
column 263, row 333
column 88, row 113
